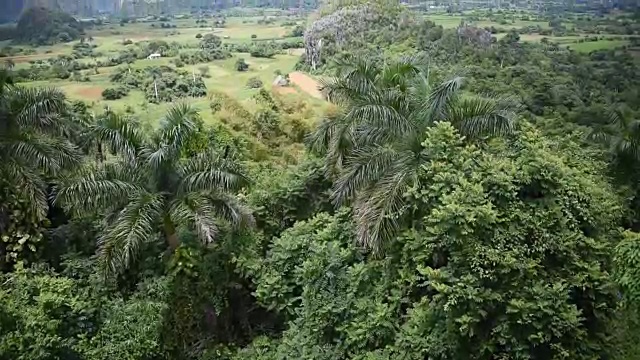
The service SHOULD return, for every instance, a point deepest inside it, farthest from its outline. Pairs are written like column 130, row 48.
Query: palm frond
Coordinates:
column 158, row 154
column 49, row 154
column 230, row 209
column 102, row 188
column 341, row 144
column 121, row 134
column 209, row 172
column 362, row 168
column 180, row 123
column 385, row 116
column 197, row 210
column 27, row 184
column 318, row 140
column 38, row 108
column 353, row 80
column 440, row 98
column 399, row 73
column 341, row 91
column 379, row 209
column 625, row 148
column 476, row 116
column 119, row 245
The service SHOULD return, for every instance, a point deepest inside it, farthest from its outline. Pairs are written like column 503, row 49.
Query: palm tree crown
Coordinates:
column 373, row 143
column 152, row 187
column 33, row 141
column 621, row 133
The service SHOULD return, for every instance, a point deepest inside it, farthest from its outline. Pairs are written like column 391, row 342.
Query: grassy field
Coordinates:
column 223, row 75
column 570, row 41
column 590, row 46
column 517, row 24
column 110, row 37
column 447, row 21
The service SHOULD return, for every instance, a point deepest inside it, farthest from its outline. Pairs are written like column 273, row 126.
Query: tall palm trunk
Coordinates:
column 99, row 153
column 170, row 233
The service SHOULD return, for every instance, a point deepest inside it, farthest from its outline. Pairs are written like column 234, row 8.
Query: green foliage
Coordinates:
column 262, row 50
column 241, row 65
column 210, row 42
column 506, row 256
column 433, row 226
column 266, row 124
column 115, row 93
column 211, row 303
column 297, row 31
column 161, row 83
column 41, row 315
column 281, row 197
column 72, row 315
column 254, row 83
column 516, row 236
column 159, row 179
column 373, row 143
column 627, row 258
column 34, row 146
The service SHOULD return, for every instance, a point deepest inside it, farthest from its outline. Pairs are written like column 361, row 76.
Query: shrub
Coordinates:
column 114, row 93
column 254, row 83
column 215, row 105
column 297, row 31
column 262, row 51
column 241, row 65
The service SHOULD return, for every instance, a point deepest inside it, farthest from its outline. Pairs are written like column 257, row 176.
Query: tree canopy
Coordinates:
column 454, row 190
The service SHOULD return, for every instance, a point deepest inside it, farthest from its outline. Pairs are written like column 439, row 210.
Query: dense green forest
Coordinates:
column 465, row 195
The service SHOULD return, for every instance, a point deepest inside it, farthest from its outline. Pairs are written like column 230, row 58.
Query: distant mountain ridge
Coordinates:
column 87, row 8
column 11, row 9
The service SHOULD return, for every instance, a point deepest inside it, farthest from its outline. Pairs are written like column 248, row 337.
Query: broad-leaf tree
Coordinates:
column 373, row 142
column 154, row 188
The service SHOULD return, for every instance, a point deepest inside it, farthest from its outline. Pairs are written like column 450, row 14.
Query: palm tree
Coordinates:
column 621, row 134
column 34, row 146
column 108, row 132
column 372, row 145
column 153, row 188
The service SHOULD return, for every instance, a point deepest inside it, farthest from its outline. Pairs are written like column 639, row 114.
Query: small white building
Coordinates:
column 154, row 56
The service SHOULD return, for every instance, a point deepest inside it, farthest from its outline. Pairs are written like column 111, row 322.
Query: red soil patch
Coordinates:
column 306, row 83
column 89, row 93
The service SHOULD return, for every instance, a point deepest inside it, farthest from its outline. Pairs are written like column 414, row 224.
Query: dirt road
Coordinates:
column 306, row 83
